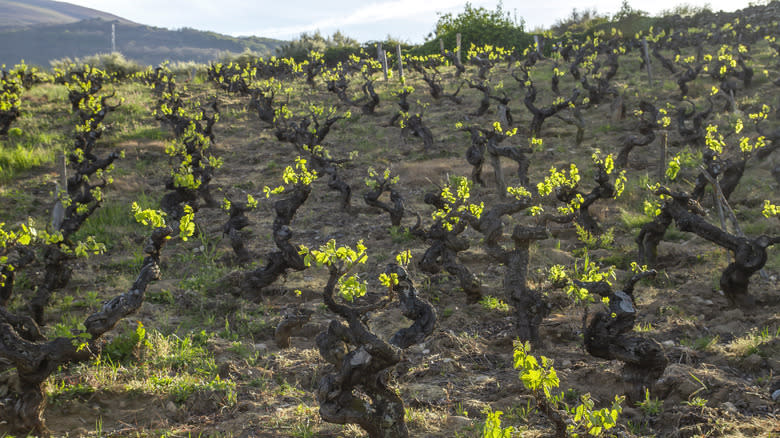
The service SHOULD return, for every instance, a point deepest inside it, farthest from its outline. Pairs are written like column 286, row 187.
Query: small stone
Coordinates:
column 483, row 379
column 708, row 302
column 754, row 362
column 776, row 395
column 262, row 348
column 669, row 343
column 447, row 360
column 729, row 407
column 417, row 349
column 426, row 351
column 170, row 406
column 458, row 421
column 566, row 363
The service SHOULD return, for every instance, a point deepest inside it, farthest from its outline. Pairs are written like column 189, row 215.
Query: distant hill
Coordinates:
column 18, row 13
column 39, row 31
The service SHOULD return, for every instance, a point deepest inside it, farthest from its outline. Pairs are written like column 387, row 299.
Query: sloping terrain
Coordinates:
column 41, row 31
column 208, row 364
column 15, row 14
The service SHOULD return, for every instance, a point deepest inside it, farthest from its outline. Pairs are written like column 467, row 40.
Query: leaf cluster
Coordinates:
column 344, row 259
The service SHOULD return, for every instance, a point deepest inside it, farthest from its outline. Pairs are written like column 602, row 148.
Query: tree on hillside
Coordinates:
column 299, row 48
column 480, row 26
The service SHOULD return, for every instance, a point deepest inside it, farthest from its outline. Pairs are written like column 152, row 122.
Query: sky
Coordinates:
column 407, row 20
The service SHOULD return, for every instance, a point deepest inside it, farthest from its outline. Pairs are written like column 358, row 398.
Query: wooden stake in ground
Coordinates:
column 662, row 156
column 58, row 212
column 647, row 61
column 400, row 63
column 382, row 57
column 457, row 43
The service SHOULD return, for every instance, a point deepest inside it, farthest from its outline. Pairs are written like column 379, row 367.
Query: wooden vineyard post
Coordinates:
column 441, row 46
column 382, row 57
column 662, row 156
column 400, row 63
column 647, row 60
column 457, row 43
column 58, row 212
column 538, row 45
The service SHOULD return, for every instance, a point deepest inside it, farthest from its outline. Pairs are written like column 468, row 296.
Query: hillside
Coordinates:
column 18, row 14
column 238, row 336
column 45, row 30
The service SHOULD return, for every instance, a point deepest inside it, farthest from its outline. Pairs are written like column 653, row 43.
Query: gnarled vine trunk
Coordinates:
column 355, row 390
column 35, row 359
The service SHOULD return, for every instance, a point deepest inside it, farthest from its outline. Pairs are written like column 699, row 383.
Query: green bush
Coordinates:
column 478, row 26
column 335, row 48
column 127, row 346
column 115, row 64
column 579, row 22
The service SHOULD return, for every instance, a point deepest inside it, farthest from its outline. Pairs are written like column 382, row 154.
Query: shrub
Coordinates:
column 115, row 64
column 335, row 48
column 478, row 26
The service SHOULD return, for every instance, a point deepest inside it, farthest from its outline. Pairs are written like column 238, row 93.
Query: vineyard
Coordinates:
column 576, row 238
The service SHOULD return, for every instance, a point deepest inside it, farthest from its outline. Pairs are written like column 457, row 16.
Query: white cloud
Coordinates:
column 412, row 10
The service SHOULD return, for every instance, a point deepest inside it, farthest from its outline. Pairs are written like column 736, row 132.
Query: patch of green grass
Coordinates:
column 179, row 354
column 182, row 386
column 141, row 131
column 703, row 343
column 49, row 92
column 201, row 276
column 286, row 389
column 643, row 328
column 146, row 165
column 493, row 303
column 179, row 367
column 650, row 405
column 752, row 342
column 62, row 390
column 109, row 224
column 246, row 324
column 127, row 346
column 621, row 259
column 42, row 129
column 17, row 203
column 605, row 128
column 633, row 220
column 163, row 297
column 245, row 351
column 401, row 235
column 17, row 157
